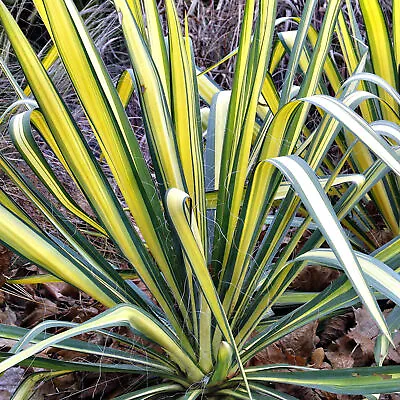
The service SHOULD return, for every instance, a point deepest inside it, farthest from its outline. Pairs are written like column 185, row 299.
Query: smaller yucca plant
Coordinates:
column 213, row 278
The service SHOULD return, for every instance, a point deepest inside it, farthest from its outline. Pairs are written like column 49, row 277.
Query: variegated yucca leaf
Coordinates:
column 27, row 386
column 244, row 188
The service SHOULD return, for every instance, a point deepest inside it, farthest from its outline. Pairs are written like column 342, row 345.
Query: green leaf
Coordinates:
column 382, row 345
column 181, row 213
column 27, row 386
column 152, row 359
column 319, row 207
column 128, row 315
column 163, row 390
column 357, row 381
column 377, row 274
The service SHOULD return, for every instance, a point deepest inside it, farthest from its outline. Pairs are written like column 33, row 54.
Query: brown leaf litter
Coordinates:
column 344, row 341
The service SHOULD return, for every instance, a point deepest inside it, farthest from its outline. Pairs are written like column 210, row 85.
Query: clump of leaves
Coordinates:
column 199, row 231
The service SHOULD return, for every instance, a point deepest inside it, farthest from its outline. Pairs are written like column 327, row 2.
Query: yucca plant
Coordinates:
column 192, row 224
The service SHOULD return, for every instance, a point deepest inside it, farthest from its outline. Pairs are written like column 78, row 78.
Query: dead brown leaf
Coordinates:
column 336, row 327
column 339, row 353
column 8, row 317
column 78, row 313
column 5, row 261
column 5, row 394
column 39, row 311
column 302, row 341
column 295, row 348
column 61, row 290
column 317, row 357
column 380, row 236
column 299, row 392
column 393, row 396
column 6, row 344
column 67, row 355
column 314, row 278
column 365, row 331
column 355, row 348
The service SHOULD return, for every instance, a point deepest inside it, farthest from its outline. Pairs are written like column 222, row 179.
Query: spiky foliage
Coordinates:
column 192, row 227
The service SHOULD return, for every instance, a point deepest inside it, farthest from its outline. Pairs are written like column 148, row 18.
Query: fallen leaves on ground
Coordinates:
column 344, row 341
column 8, row 316
column 314, row 278
column 295, row 348
column 61, row 290
column 336, row 327
column 38, row 311
column 5, row 261
column 340, row 342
